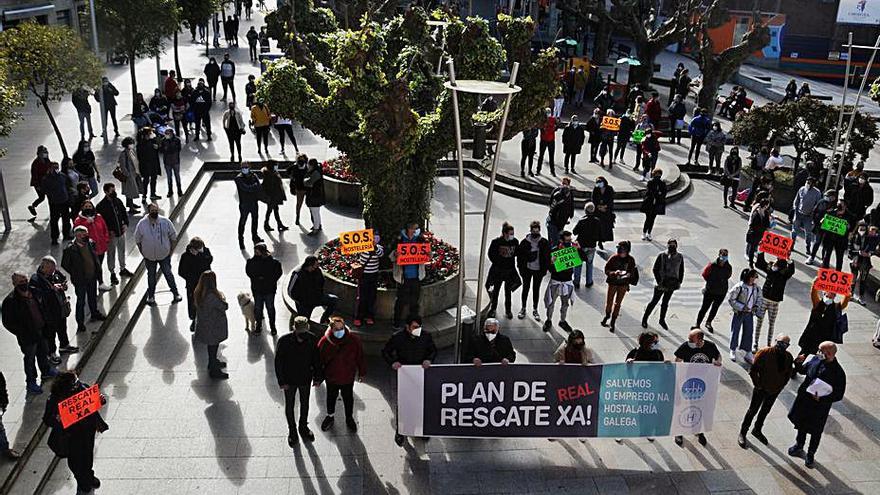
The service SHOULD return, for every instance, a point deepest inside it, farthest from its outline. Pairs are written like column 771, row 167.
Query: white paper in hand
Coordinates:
column 820, row 388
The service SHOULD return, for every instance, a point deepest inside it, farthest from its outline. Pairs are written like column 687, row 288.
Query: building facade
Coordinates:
column 64, row 12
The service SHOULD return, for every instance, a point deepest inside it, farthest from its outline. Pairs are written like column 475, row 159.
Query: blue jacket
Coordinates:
column 411, row 271
column 700, row 126
column 55, row 188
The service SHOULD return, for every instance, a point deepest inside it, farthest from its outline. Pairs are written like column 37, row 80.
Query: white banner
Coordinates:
column 858, row 12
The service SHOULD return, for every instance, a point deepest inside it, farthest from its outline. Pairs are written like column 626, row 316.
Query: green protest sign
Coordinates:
column 833, row 224
column 638, row 135
column 565, row 258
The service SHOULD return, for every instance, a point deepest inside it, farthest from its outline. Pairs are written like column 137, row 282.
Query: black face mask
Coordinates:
column 21, row 287
column 154, row 215
column 88, row 212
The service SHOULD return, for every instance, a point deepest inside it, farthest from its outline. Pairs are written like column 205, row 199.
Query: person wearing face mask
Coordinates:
column 805, row 201
column 559, row 287
column 502, row 270
column 648, row 349
column 98, row 233
column 863, row 244
column 810, row 410
column 698, row 129
column 233, row 125
column 603, row 198
column 490, row 346
column 621, row 273
column 81, row 264
column 778, row 275
column 113, row 211
column 527, row 149
column 128, row 174
column 264, row 271
column 261, row 118
column 825, row 205
column 297, row 173
column 572, row 142
column 533, row 261
column 155, row 236
column 408, row 278
column 314, row 184
column 606, row 145
column 159, row 104
column 561, row 209
column 200, row 102
column 832, row 241
column 80, row 99
column 368, row 283
column 716, row 274
column 56, row 187
column 50, row 287
column 298, row 368
column 859, row 196
column 171, row 158
column 148, row 163
column 227, row 76
column 249, row 189
column 23, row 316
column 39, row 168
column 273, row 189
column 306, row 288
column 211, row 324
column 677, row 112
column 654, row 202
column 548, row 140
column 573, row 350
column 588, row 231
column 84, row 163
column 823, row 323
column 194, row 261
column 627, row 126
column 212, row 73
column 668, row 274
column 108, row 93
column 746, row 300
column 697, row 350
column 342, row 358
column 411, row 346
column 770, row 372
column 716, row 139
column 593, row 126
column 759, row 222
column 730, row 177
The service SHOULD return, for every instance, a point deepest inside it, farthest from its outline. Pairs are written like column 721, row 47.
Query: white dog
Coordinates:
column 247, row 309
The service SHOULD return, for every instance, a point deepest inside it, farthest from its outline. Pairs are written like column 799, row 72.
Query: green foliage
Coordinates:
column 311, row 24
column 137, row 28
column 193, row 12
column 10, row 98
column 375, row 95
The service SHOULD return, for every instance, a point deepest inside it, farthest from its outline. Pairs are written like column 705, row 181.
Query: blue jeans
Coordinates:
column 86, row 291
column 269, row 301
column 552, row 233
column 587, row 256
column 36, row 352
column 803, row 225
column 328, row 302
column 165, row 266
column 747, row 322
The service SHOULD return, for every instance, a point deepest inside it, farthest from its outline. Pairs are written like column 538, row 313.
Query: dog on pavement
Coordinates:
column 246, row 302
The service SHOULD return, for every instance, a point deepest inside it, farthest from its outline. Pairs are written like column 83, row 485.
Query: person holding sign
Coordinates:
column 607, row 136
column 759, row 222
column 408, row 277
column 668, row 274
column 824, row 385
column 77, row 441
column 862, row 245
column 560, row 286
column 746, row 300
column 572, row 142
column 490, row 346
column 533, row 261
column 697, row 350
column 368, row 283
column 778, row 275
column 411, row 346
column 836, row 226
column 502, row 256
column 621, row 272
column 824, row 318
column 627, row 126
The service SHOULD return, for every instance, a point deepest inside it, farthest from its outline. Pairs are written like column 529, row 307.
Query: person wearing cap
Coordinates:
column 23, row 316
column 805, row 201
column 194, row 261
column 621, row 273
column 490, row 346
column 298, row 368
column 342, row 358
column 50, row 287
column 410, row 346
column 826, row 204
column 746, row 300
column 770, row 372
column 81, row 264
column 212, row 326
column 668, row 274
column 533, row 261
column 155, row 236
column 264, row 272
column 560, row 287
column 588, row 231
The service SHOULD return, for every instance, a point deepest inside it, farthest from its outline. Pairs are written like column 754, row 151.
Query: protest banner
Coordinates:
column 556, row 401
column 776, row 245
column 413, row 253
column 833, row 224
column 829, row 280
column 638, row 136
column 356, row 241
column 565, row 258
column 610, row 124
column 79, row 406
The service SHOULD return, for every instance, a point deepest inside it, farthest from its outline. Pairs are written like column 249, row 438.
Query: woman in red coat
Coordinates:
column 342, row 357
column 98, row 233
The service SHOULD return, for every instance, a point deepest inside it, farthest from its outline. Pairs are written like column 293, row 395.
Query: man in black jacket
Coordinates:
column 588, row 231
column 298, row 366
column 249, row 188
column 23, row 317
column 491, row 346
column 194, row 261
column 4, row 403
column 410, row 346
column 561, row 210
column 109, row 93
column 81, row 263
column 201, row 105
column 55, row 188
column 49, row 285
column 306, row 288
column 502, row 255
column 264, row 272
column 112, row 209
column 80, row 99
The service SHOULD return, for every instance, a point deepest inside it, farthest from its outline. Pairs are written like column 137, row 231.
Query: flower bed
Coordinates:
column 444, row 264
column 339, row 168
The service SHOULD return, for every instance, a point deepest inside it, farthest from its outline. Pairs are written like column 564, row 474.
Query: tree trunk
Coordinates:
column 45, row 103
column 134, row 82
column 177, row 59
column 709, row 90
column 642, row 74
column 391, row 203
column 601, row 43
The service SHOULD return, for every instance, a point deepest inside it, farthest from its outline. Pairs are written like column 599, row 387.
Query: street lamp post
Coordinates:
column 95, row 45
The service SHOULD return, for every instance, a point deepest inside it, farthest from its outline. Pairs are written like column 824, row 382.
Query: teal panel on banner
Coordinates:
column 636, row 400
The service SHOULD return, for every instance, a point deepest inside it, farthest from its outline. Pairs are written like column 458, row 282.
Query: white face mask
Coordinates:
column 416, row 332
column 828, row 300
column 692, row 345
column 655, row 346
column 490, row 336
column 820, row 355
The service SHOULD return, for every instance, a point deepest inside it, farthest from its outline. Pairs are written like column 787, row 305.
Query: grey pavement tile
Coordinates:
column 611, row 484
column 723, row 480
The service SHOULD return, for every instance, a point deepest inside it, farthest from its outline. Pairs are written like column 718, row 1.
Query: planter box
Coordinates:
column 341, row 193
column 435, row 298
column 783, row 194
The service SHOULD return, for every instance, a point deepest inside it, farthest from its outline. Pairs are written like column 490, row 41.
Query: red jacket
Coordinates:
column 39, row 169
column 342, row 358
column 652, row 109
column 97, row 231
column 548, row 132
column 171, row 88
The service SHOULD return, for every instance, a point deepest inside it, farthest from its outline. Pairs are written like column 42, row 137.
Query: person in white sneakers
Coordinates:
column 155, row 237
column 746, row 300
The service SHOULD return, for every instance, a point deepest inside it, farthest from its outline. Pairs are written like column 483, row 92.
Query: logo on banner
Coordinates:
column 690, row 417
column 693, row 389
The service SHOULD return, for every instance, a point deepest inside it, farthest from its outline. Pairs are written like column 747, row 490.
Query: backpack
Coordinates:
column 292, row 283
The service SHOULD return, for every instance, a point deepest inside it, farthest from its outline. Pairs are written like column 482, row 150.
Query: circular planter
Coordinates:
column 343, row 193
column 783, row 194
column 435, row 297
